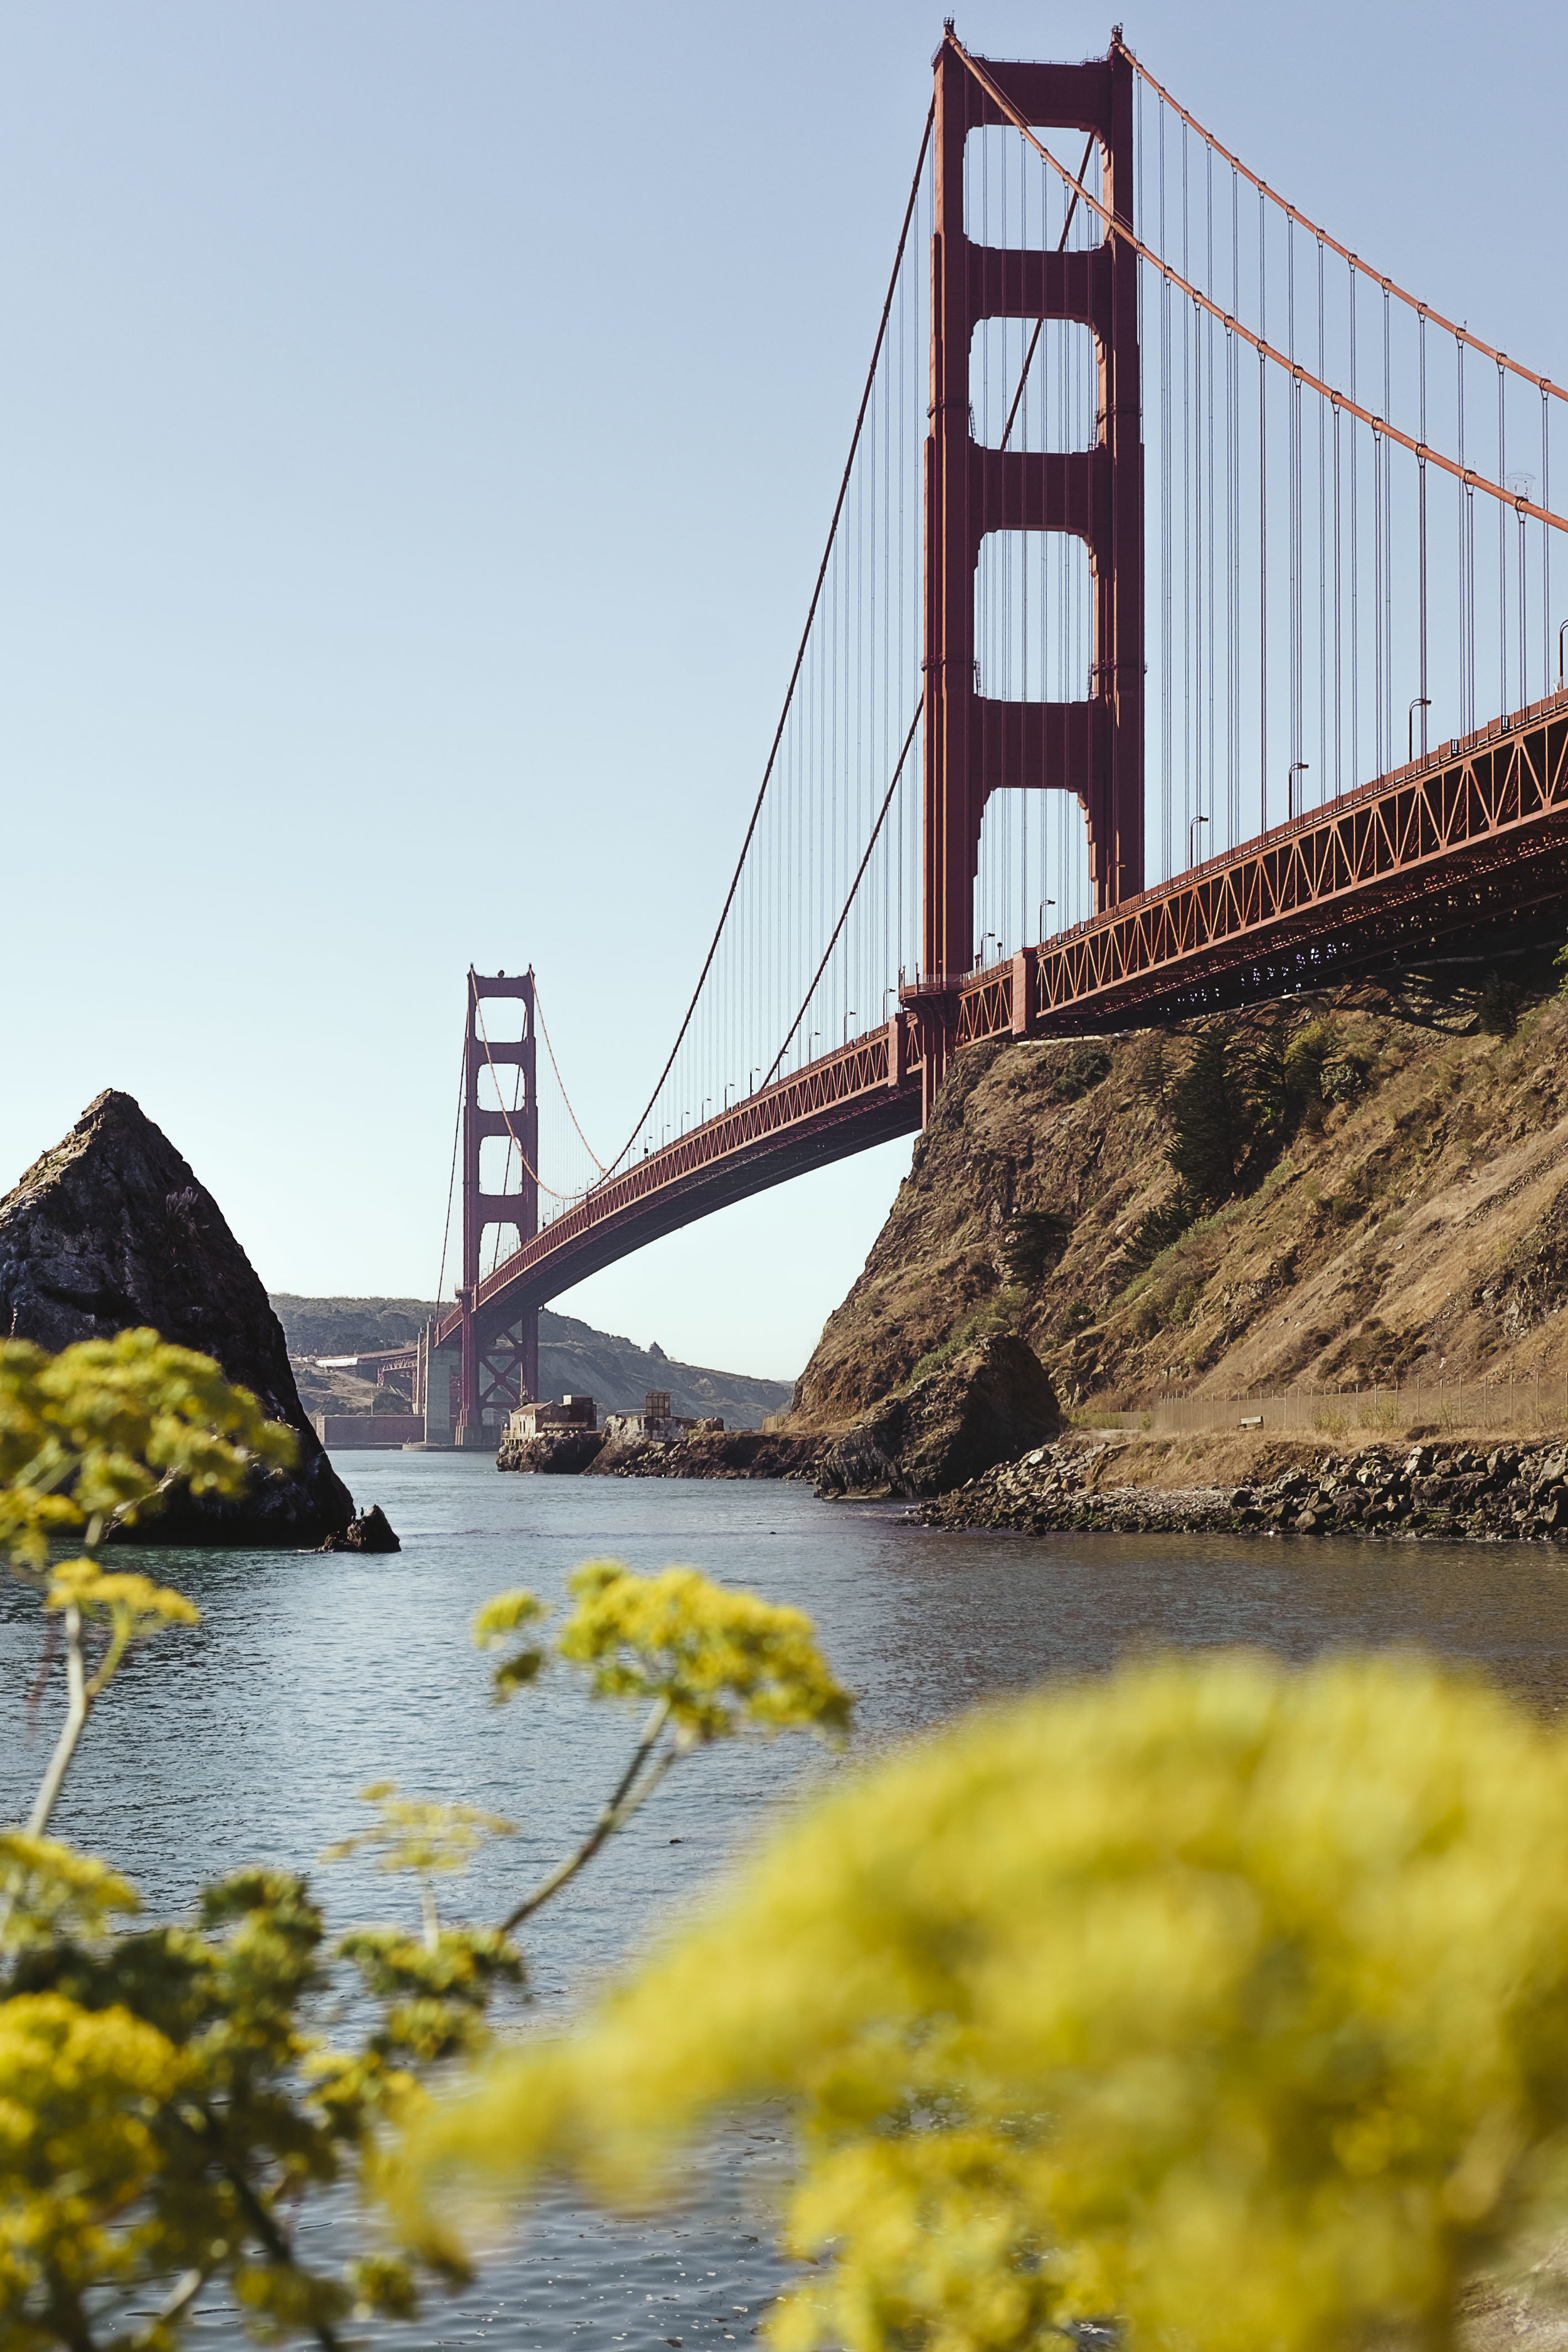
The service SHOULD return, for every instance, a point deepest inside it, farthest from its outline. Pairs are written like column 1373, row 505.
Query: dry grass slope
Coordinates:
column 1414, row 1216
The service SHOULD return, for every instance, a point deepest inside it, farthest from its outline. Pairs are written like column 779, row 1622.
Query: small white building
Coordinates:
column 655, row 1425
column 542, row 1419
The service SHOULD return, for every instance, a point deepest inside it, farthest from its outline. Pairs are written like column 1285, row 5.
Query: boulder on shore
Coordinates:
column 371, row 1532
column 110, row 1232
column 991, row 1403
column 725, row 1454
column 555, row 1453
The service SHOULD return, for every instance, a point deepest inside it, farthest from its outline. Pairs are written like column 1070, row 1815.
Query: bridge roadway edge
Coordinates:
column 1451, row 843
column 556, row 1262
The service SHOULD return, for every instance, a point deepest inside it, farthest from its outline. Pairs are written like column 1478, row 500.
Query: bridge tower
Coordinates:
column 501, row 1368
column 975, row 745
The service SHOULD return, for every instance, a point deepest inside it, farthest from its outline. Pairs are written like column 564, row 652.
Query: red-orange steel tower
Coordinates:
column 975, row 745
column 503, row 1369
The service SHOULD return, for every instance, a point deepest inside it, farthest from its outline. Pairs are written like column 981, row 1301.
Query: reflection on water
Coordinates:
column 311, row 1674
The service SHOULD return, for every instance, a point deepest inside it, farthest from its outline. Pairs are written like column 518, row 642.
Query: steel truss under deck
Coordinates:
column 1458, row 840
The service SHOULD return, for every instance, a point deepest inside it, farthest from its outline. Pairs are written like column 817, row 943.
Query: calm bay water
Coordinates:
column 248, row 1739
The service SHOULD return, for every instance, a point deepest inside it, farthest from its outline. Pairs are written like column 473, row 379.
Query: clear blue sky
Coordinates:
column 418, row 425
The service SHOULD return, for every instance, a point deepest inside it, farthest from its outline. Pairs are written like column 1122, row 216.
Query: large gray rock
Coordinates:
column 110, row 1232
column 993, row 1402
column 557, row 1453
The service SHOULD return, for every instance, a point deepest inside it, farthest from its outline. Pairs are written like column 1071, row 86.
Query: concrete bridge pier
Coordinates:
column 435, row 1371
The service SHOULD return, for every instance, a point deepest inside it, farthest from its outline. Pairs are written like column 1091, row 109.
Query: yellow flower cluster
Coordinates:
column 78, row 2089
column 1229, row 2000
column 718, row 1660
column 55, row 1891
column 509, row 1613
column 417, row 1835
column 127, row 1604
column 92, row 1434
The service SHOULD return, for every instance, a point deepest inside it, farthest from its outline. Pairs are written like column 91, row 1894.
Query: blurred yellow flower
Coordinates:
column 93, row 1432
column 416, row 1833
column 1229, row 2000
column 720, row 1661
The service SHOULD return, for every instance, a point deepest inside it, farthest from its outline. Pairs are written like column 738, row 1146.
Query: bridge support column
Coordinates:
column 497, row 1363
column 528, row 1355
column 471, row 1426
column 1023, row 991
column 440, row 1366
column 977, row 744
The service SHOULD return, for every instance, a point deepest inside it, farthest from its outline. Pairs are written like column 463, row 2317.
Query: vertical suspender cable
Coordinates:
column 1339, row 625
column 1263, row 511
column 1293, row 491
column 1188, row 583
column 1421, row 555
column 1380, row 731
column 1355, row 557
column 1232, row 528
column 1212, row 497
column 1387, row 544
column 1523, row 647
column 1166, row 777
column 1502, row 540
column 1545, row 543
column 1322, row 543
column 1466, row 563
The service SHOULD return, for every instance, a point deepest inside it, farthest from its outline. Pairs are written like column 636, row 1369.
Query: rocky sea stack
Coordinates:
column 109, row 1232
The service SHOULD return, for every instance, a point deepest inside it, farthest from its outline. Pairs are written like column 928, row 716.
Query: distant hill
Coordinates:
column 348, row 1326
column 574, row 1361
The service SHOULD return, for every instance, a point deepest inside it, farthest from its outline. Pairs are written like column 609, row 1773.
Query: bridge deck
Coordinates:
column 1464, row 837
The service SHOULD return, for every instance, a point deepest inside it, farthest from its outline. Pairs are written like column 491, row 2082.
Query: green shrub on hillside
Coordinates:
column 1498, row 1005
column 1212, row 1130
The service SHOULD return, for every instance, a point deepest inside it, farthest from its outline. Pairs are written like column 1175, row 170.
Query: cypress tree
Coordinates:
column 1209, row 1118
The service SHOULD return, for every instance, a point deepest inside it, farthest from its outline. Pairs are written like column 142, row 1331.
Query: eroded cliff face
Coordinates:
column 1408, row 1212
column 111, row 1231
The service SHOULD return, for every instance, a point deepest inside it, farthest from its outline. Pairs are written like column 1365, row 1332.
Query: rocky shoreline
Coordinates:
column 734, row 1453
column 1434, row 1493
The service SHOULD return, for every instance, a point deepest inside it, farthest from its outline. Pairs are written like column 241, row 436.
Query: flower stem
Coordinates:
column 76, row 1710
column 624, row 1800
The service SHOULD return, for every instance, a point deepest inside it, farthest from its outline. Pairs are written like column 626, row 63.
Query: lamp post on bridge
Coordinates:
column 850, row 1016
column 1193, row 839
column 1298, row 768
column 1421, row 702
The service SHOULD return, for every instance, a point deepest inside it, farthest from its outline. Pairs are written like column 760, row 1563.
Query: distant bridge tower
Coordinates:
column 501, row 1369
column 975, row 745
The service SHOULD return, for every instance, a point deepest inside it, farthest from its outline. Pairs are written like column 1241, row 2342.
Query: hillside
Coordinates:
column 573, row 1360
column 1399, row 1183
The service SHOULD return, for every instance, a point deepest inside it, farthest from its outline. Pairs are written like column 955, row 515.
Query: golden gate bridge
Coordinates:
column 1184, row 633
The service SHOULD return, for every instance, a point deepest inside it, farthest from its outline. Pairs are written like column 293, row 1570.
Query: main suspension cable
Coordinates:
column 506, row 1116
column 1034, row 337
column 849, row 900
column 804, row 640
column 452, row 1179
column 1120, row 230
column 545, row 1032
column 1295, row 213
